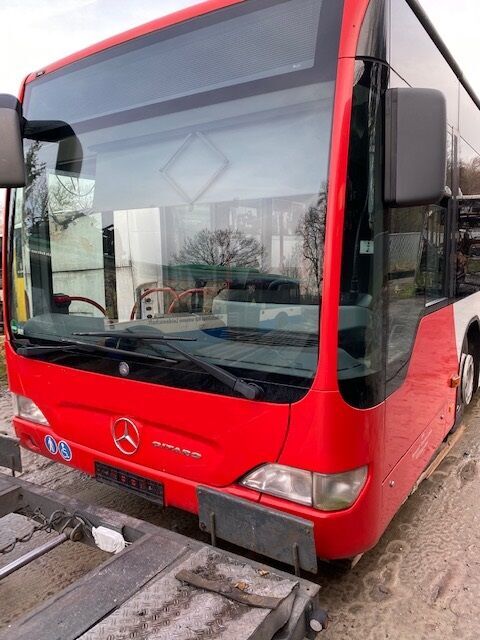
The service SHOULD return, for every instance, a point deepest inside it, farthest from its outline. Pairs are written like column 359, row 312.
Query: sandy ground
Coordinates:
column 421, row 581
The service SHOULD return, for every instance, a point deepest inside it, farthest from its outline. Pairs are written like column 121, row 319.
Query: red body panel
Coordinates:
column 326, row 378
column 426, row 393
column 319, row 433
column 81, row 408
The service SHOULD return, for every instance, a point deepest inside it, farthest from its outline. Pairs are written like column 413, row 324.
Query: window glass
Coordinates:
column 416, row 277
column 194, row 57
column 469, row 121
column 361, row 350
column 469, row 169
column 205, row 222
column 468, row 246
column 433, row 260
column 415, row 57
column 373, row 41
column 468, row 225
column 393, row 261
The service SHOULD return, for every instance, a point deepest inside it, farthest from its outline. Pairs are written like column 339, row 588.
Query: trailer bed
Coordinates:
column 162, row 586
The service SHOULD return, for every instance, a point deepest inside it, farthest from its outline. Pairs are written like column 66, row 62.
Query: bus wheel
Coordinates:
column 467, row 378
column 468, row 383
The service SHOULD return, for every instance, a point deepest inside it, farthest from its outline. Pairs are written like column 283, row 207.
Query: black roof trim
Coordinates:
column 435, row 36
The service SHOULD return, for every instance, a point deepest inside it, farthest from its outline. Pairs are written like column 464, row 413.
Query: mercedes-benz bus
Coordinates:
column 240, row 264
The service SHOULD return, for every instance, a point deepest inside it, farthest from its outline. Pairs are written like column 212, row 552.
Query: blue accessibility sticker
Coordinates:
column 65, row 451
column 51, row 444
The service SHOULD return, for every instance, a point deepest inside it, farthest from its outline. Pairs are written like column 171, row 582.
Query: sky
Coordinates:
column 34, row 33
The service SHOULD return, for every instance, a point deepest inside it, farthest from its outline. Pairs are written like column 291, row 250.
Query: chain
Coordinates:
column 58, row 521
column 18, row 539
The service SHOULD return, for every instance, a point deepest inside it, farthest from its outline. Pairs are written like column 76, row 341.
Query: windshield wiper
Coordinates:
column 248, row 390
column 30, row 350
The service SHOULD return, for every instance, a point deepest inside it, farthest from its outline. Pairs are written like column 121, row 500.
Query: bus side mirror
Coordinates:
column 415, row 146
column 12, row 165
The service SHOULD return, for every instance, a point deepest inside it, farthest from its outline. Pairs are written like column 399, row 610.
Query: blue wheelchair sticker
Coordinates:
column 65, row 451
column 51, row 444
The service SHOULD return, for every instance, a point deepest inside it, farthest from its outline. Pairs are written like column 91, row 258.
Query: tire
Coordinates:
column 468, row 371
column 468, row 381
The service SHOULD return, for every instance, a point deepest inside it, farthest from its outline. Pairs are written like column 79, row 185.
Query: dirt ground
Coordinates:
column 421, row 581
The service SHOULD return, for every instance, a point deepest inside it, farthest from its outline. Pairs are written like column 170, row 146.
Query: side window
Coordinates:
column 433, row 261
column 467, row 277
column 468, row 247
column 410, row 44
column 469, row 145
column 406, row 284
column 416, row 277
column 417, row 247
column 416, row 271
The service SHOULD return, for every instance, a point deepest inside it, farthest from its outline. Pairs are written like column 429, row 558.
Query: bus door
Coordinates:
column 421, row 354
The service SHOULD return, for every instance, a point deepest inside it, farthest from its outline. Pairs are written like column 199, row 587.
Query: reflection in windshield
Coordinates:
column 206, row 221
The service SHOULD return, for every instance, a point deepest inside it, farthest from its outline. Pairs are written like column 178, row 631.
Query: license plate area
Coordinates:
column 138, row 485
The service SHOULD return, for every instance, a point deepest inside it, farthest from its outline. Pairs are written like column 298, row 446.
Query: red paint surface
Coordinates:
column 319, row 433
column 231, row 434
column 426, row 393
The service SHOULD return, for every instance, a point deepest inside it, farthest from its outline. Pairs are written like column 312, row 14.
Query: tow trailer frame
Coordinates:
column 115, row 589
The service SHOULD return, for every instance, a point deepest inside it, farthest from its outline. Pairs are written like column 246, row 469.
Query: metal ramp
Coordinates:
column 162, row 586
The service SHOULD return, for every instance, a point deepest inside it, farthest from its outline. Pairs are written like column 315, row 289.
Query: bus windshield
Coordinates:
column 178, row 182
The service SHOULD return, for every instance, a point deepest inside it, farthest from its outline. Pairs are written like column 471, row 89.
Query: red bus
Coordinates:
column 237, row 280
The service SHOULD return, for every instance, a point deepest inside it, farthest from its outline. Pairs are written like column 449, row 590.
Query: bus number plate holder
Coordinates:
column 138, row 485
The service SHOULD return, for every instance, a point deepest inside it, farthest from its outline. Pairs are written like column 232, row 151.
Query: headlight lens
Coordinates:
column 25, row 408
column 337, row 491
column 284, row 482
column 326, row 492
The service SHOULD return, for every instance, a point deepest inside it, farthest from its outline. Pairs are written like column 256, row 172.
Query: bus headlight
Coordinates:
column 283, row 482
column 324, row 491
column 337, row 491
column 25, row 408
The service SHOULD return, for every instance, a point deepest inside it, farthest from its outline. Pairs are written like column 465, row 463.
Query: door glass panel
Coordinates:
column 434, row 255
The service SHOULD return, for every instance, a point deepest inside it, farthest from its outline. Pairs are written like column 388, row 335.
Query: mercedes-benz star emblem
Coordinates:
column 125, row 435
column 124, row 369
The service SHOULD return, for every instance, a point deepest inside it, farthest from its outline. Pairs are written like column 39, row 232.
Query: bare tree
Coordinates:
column 69, row 198
column 36, row 191
column 311, row 228
column 222, row 247
column 62, row 199
column 470, row 176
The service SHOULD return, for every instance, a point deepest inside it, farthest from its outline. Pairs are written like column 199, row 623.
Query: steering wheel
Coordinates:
column 63, row 298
